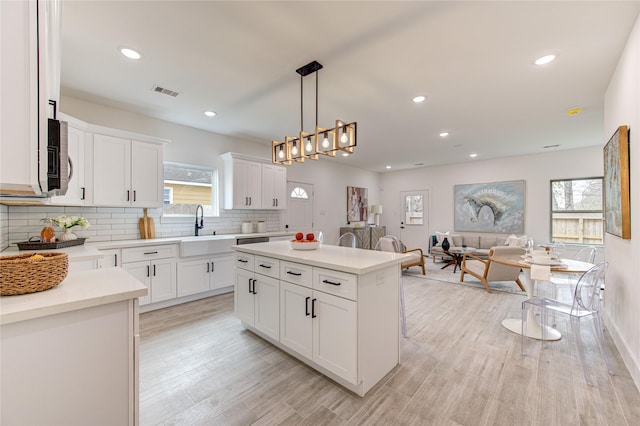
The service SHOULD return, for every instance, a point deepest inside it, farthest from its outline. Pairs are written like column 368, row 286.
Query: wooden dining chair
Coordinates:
column 487, row 271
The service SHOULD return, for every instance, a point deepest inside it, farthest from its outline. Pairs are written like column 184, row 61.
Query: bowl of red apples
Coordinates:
column 305, row 242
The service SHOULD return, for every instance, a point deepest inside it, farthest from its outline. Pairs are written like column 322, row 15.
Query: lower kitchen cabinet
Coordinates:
column 155, row 267
column 257, row 302
column 321, row 327
column 159, row 276
column 200, row 275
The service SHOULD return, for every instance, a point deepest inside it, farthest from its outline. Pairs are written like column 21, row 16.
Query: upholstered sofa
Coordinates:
column 481, row 242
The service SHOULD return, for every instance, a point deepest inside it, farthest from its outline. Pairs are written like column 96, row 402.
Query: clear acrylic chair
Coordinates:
column 392, row 244
column 585, row 304
column 348, row 239
column 586, row 254
column 319, row 236
column 563, row 280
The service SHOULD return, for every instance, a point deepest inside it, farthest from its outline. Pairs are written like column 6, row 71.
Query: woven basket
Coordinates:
column 22, row 273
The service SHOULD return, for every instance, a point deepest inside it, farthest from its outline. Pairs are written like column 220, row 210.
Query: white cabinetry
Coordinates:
column 126, row 172
column 274, row 187
column 155, row 267
column 90, row 376
column 200, row 275
column 29, row 73
column 316, row 323
column 112, row 258
column 257, row 293
column 252, row 184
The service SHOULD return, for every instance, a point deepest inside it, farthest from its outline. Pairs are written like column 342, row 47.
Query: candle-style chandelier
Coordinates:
column 310, row 145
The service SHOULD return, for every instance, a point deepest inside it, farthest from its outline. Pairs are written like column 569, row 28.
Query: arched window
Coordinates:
column 299, row 193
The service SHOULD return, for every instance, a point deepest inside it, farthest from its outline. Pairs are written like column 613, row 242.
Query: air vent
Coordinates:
column 165, row 91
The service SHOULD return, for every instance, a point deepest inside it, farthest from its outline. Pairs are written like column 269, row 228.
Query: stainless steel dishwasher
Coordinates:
column 252, row 240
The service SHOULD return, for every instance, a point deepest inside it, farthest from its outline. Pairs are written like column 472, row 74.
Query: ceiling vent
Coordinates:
column 165, row 91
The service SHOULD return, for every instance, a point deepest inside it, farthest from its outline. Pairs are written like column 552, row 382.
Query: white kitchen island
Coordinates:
column 334, row 308
column 69, row 355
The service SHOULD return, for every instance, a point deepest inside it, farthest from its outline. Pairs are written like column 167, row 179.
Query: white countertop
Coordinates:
column 345, row 259
column 79, row 290
column 76, row 253
column 177, row 240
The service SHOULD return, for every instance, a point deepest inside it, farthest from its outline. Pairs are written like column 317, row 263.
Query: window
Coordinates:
column 299, row 193
column 187, row 186
column 577, row 211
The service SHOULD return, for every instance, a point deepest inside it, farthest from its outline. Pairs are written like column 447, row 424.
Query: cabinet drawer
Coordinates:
column 334, row 282
column 135, row 254
column 245, row 261
column 267, row 266
column 296, row 273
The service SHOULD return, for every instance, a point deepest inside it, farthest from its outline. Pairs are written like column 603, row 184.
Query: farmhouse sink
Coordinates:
column 206, row 244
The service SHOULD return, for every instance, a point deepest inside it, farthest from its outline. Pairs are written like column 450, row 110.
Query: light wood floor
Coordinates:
column 458, row 366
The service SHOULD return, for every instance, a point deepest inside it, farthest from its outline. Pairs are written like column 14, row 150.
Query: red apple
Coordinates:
column 311, row 237
column 299, row 236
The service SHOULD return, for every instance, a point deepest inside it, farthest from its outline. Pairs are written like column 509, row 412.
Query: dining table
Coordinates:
column 534, row 328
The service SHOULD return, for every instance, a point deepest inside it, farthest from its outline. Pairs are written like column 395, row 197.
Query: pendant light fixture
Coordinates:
column 322, row 141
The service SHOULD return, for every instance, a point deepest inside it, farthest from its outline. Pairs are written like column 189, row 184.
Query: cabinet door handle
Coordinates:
column 276, row 202
column 243, row 261
column 249, row 200
column 83, row 193
column 213, row 267
column 297, row 274
column 330, row 282
column 148, row 271
column 154, row 270
column 128, row 194
column 207, row 267
column 134, row 195
column 246, row 201
column 250, row 282
column 151, row 252
column 313, row 308
column 306, row 306
column 254, row 286
column 115, row 259
column 265, row 266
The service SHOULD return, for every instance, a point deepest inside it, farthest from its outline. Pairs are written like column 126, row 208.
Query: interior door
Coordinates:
column 414, row 219
column 299, row 216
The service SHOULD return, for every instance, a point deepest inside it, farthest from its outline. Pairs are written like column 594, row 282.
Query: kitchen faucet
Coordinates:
column 198, row 227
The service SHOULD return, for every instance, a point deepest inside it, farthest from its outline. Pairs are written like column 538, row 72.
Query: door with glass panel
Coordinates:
column 299, row 216
column 414, row 219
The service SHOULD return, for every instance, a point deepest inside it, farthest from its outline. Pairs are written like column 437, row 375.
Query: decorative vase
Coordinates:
column 445, row 244
column 47, row 233
column 68, row 235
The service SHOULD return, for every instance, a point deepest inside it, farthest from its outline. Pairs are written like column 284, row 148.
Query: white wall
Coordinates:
column 622, row 302
column 535, row 170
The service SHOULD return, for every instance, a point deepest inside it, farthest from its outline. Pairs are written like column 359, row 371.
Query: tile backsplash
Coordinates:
column 18, row 223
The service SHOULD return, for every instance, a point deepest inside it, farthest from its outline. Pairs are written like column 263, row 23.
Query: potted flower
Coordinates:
column 67, row 222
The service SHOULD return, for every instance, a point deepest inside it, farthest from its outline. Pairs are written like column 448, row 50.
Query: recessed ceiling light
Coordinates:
column 130, row 53
column 388, row 167
column 545, row 59
column 444, row 134
column 473, row 155
column 210, row 113
column 573, row 111
column 419, row 99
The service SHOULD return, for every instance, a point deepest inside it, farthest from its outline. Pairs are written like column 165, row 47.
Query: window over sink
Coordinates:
column 187, row 186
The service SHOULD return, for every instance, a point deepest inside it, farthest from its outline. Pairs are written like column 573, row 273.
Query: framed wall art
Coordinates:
column 490, row 207
column 617, row 208
column 357, row 204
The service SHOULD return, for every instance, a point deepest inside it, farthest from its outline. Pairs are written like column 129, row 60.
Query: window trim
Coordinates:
column 215, row 198
column 552, row 211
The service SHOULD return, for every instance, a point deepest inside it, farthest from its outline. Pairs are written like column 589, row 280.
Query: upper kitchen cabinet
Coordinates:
column 126, row 171
column 274, row 187
column 253, row 183
column 29, row 78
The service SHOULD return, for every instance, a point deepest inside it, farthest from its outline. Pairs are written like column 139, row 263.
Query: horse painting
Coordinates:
column 493, row 207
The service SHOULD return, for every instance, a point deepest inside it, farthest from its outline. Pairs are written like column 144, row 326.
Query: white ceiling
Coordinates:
column 473, row 60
